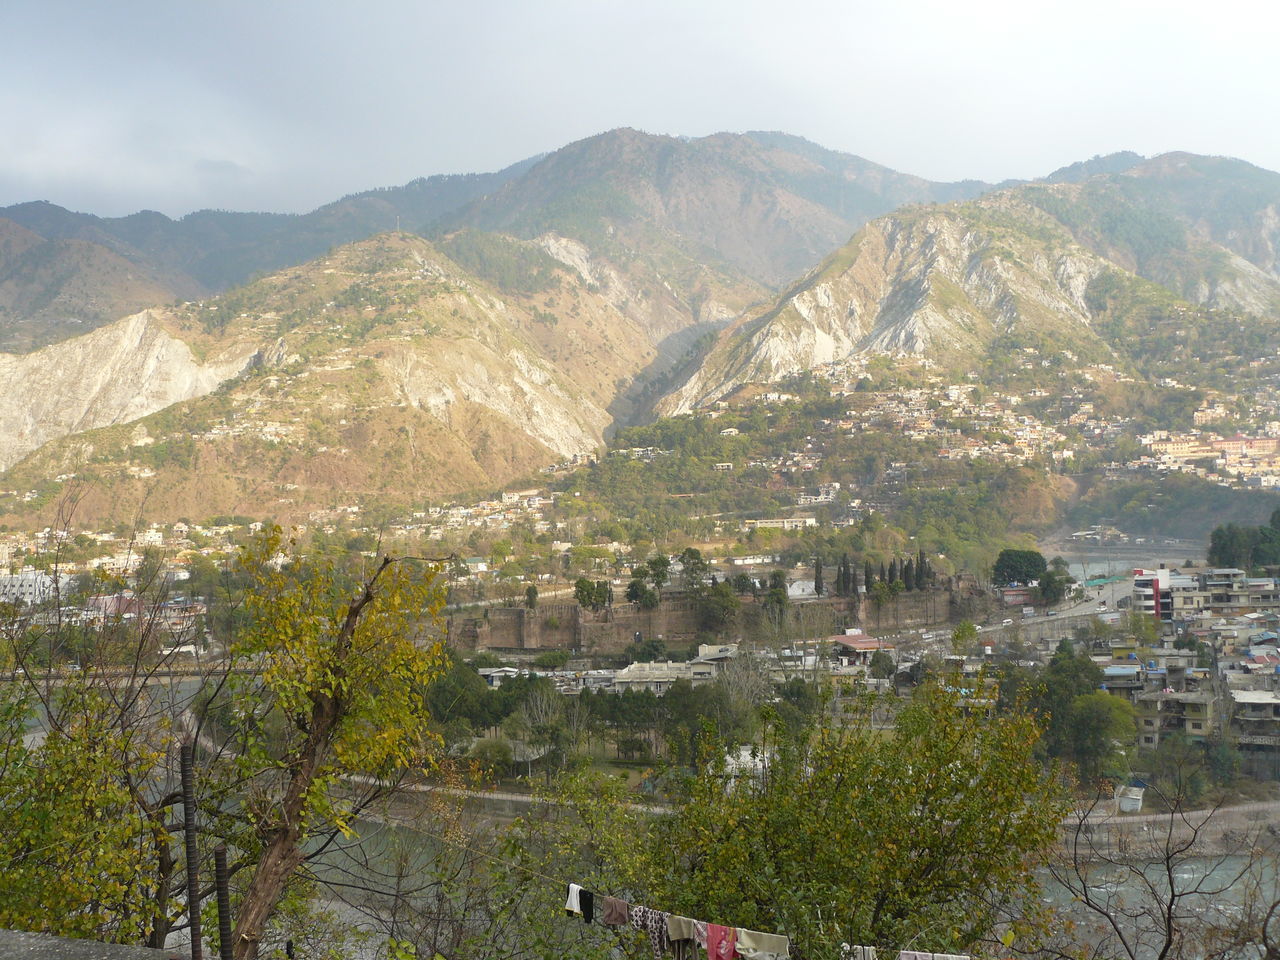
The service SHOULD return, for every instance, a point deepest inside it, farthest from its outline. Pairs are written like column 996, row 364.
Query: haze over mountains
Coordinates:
column 515, row 317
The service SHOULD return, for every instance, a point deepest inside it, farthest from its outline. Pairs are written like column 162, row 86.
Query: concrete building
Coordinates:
column 32, row 586
column 1225, row 592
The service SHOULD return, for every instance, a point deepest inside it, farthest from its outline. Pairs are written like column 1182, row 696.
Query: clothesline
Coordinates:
column 681, row 934
column 758, row 946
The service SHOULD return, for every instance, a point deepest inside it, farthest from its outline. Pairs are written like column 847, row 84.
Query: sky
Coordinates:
column 284, row 105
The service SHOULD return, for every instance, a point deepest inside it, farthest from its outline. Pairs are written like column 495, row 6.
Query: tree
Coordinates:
column 1053, row 585
column 845, row 818
column 882, row 665
column 335, row 691
column 694, row 569
column 1168, row 894
column 659, row 568
column 1102, row 729
column 584, row 592
column 868, row 575
column 717, row 607
column 1018, row 566
column 81, row 844
column 776, row 599
column 640, row 592
column 964, row 638
column 880, row 594
column 818, row 585
column 531, row 596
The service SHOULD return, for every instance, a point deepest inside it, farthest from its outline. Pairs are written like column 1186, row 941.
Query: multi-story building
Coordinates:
column 1168, row 595
column 1162, row 712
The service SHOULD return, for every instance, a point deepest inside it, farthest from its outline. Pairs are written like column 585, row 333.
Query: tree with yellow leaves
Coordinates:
column 336, row 700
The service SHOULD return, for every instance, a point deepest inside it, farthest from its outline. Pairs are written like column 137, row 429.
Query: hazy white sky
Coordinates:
column 112, row 107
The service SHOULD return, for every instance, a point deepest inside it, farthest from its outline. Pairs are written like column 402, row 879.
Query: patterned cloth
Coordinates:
column 720, row 942
column 653, row 922
column 700, row 933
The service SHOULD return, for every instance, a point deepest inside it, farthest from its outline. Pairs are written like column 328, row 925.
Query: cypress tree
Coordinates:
column 817, row 576
column 884, row 575
column 847, row 581
column 868, row 574
column 921, row 567
column 909, row 574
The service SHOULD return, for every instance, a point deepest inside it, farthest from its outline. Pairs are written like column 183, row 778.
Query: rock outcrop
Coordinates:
column 118, row 373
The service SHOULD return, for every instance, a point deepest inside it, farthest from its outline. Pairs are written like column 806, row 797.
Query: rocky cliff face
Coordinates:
column 940, row 282
column 382, row 370
column 115, row 374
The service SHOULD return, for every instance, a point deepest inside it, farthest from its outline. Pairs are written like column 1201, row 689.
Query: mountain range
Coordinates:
column 459, row 332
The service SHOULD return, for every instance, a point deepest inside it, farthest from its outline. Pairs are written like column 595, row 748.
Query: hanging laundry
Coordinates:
column 681, row 928
column 581, row 901
column 616, row 912
column 754, row 945
column 653, row 922
column 720, row 942
column 683, row 934
column 700, row 933
column 573, row 903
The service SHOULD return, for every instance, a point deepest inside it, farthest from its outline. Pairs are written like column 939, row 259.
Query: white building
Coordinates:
column 31, row 586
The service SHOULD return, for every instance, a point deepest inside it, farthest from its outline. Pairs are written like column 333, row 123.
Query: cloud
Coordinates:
column 284, row 106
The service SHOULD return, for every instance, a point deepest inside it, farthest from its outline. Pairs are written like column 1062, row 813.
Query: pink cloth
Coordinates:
column 720, row 942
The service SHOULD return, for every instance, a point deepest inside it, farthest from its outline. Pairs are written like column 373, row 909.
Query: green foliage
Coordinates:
column 919, row 836
column 1102, row 730
column 1232, row 545
column 494, row 758
column 80, row 844
column 594, row 594
column 337, row 689
column 513, row 266
column 882, row 665
column 1176, row 505
column 1018, row 566
column 1053, row 585
column 964, row 638
column 551, row 659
